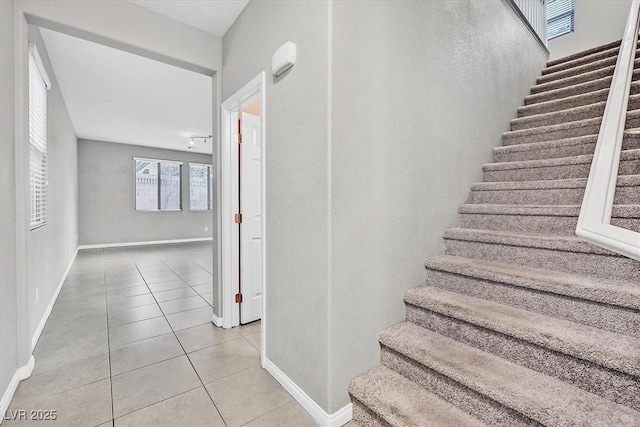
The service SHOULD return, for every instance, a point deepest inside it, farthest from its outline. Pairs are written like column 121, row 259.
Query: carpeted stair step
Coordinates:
column 586, row 55
column 578, row 89
column 573, row 129
column 606, row 304
column 560, row 220
column 566, row 147
column 560, row 253
column 550, row 192
column 579, row 69
column 580, row 78
column 494, row 390
column 557, row 168
column 382, row 397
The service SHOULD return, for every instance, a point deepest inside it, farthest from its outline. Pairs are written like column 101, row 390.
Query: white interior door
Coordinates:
column 251, row 227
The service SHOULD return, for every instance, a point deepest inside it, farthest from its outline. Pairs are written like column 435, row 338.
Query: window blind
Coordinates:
column 38, row 85
column 559, row 17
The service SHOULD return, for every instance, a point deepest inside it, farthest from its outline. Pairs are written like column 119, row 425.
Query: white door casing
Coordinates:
column 251, row 227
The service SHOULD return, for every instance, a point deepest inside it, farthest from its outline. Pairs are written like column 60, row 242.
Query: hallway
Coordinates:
column 130, row 342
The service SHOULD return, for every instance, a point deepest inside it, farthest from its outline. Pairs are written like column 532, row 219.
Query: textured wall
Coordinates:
column 8, row 295
column 421, row 94
column 373, row 139
column 295, row 159
column 596, row 23
column 107, row 197
column 52, row 247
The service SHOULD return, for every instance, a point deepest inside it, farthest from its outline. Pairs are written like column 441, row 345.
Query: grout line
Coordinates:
column 179, row 343
column 106, row 302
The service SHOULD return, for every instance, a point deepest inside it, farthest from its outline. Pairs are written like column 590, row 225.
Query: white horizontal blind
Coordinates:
column 535, row 13
column 37, row 143
column 559, row 17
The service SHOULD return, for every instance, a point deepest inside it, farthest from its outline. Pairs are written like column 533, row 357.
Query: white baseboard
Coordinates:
column 336, row 419
column 151, row 242
column 20, row 374
column 47, row 312
column 216, row 320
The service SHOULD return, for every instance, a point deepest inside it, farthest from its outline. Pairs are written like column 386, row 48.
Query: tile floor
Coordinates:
column 130, row 343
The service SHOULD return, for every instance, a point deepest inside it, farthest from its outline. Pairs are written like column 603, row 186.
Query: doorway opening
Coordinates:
column 243, row 187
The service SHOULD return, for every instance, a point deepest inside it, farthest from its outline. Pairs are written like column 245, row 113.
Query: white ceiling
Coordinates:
column 115, row 96
column 212, row 16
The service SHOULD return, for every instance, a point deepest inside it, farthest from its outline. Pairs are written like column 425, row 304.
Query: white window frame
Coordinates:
column 570, row 13
column 209, row 187
column 135, row 184
column 39, row 84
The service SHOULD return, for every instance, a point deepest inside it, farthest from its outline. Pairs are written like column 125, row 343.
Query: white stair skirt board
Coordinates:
column 151, row 242
column 20, row 374
column 47, row 312
column 216, row 320
column 337, row 419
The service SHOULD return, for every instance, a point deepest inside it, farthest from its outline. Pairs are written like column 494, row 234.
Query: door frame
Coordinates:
column 229, row 188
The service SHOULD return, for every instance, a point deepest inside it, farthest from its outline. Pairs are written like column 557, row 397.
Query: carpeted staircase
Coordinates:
column 521, row 322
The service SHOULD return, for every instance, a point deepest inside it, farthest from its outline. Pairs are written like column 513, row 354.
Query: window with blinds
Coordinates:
column 39, row 84
column 559, row 18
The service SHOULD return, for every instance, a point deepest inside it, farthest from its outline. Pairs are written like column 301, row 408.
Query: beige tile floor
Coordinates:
column 130, row 343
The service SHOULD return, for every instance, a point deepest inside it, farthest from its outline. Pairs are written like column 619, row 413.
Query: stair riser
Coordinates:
column 583, row 113
column 604, row 316
column 580, row 89
column 539, row 224
column 566, row 116
column 470, row 401
column 584, row 58
column 574, row 80
column 559, row 150
column 564, row 104
column 574, row 71
column 628, row 167
column 612, row 267
column 613, row 385
column 556, row 196
column 364, row 417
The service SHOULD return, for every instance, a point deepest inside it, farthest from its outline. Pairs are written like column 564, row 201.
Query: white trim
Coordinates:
column 21, row 374
column 228, row 169
column 216, row 320
column 146, row 159
column 337, row 419
column 33, row 49
column 150, row 242
column 47, row 312
column 597, row 204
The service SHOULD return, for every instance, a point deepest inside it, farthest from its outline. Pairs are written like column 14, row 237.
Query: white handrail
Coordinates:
column 595, row 215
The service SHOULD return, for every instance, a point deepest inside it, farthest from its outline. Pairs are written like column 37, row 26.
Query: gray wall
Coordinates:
column 52, row 247
column 422, row 92
column 595, row 23
column 107, row 197
column 373, row 139
column 296, row 199
column 8, row 291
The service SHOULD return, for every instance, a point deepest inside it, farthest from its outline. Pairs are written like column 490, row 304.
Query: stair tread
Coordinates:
column 579, row 68
column 541, row 241
column 623, row 181
column 598, row 94
column 562, row 126
column 582, row 108
column 400, row 401
column 609, row 349
column 597, row 289
column 625, row 155
column 585, row 53
column 594, row 74
column 619, row 211
column 547, row 400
